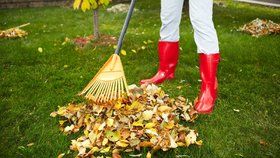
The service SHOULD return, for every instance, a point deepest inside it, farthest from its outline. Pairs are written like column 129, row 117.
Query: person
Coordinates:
column 206, row 39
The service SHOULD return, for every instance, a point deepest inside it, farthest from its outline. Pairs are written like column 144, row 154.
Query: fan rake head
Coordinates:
column 109, row 83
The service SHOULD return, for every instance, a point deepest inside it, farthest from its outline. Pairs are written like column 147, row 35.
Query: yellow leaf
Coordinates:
column 104, row 2
column 118, row 105
column 123, row 52
column 40, row 49
column 172, row 142
column 191, row 138
column 105, row 141
column 149, row 155
column 101, row 127
column 93, row 3
column 86, row 132
column 122, row 143
column 151, row 131
column 94, row 149
column 53, row 114
column 69, row 128
column 181, row 48
column 61, row 122
column 199, row 143
column 30, row 144
column 85, row 5
column 164, row 108
column 110, row 122
column 76, row 4
column 148, row 114
column 180, row 144
column 92, row 136
column 86, row 143
column 105, row 150
column 113, row 136
column 60, row 155
column 149, row 125
column 138, row 123
column 134, row 51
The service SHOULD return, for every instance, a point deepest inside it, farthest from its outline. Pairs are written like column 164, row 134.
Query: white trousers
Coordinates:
column 201, row 12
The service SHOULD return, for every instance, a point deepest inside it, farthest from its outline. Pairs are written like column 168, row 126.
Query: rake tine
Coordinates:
column 122, row 90
column 119, row 87
column 98, row 91
column 110, row 97
column 90, row 94
column 103, row 93
column 109, row 91
column 101, row 96
column 115, row 89
column 88, row 86
column 126, row 88
column 94, row 86
column 106, row 91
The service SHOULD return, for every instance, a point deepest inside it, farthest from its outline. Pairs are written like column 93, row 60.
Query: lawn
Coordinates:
column 34, row 83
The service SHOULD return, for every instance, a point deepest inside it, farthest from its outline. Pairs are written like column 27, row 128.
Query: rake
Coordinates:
column 110, row 82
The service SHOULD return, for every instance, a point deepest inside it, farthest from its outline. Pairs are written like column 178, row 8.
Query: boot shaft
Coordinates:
column 168, row 53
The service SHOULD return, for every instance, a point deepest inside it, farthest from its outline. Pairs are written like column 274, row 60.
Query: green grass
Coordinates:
column 33, row 84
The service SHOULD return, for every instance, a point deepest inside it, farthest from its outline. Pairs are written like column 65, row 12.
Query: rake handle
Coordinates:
column 125, row 26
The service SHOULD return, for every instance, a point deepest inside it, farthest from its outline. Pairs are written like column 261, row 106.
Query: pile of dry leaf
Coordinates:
column 120, row 8
column 13, row 33
column 148, row 117
column 259, row 27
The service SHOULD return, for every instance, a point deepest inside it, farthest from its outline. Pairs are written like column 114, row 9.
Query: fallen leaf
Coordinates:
column 263, row 142
column 236, row 110
column 123, row 52
column 149, row 155
column 30, row 144
column 61, row 155
column 40, row 49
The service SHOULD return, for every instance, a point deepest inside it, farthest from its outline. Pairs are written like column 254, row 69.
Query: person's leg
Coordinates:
column 206, row 39
column 168, row 45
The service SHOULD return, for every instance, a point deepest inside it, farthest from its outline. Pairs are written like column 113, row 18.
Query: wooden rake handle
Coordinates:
column 125, row 26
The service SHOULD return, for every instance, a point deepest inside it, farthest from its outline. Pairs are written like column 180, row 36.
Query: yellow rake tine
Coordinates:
column 94, row 86
column 115, row 89
column 98, row 91
column 119, row 87
column 126, row 88
column 102, row 94
column 109, row 91
column 122, row 86
column 88, row 86
column 106, row 90
column 90, row 93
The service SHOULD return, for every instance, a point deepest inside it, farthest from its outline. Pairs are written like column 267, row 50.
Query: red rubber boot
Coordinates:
column 208, row 91
column 168, row 53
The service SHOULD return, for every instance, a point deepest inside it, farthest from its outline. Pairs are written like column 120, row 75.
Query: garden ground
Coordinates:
column 245, row 122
